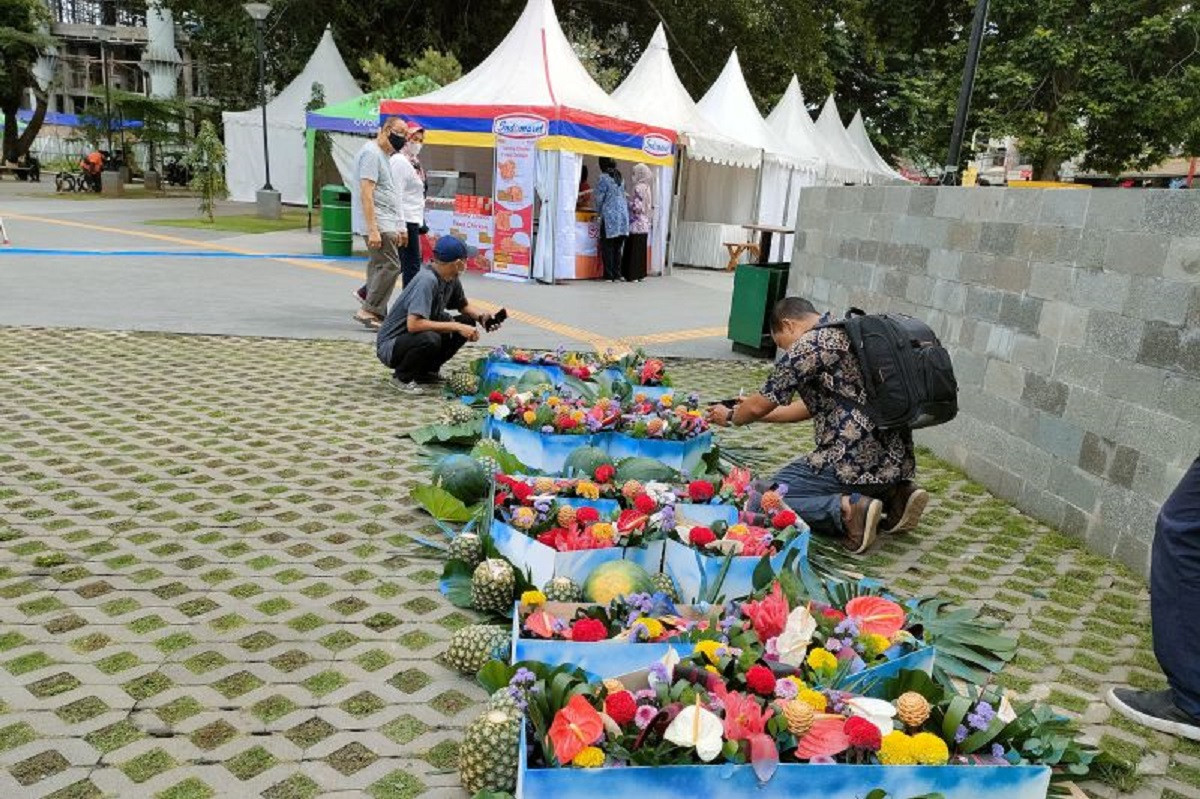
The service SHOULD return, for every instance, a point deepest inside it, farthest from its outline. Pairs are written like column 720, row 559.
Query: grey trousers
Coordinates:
column 383, row 269
column 817, row 496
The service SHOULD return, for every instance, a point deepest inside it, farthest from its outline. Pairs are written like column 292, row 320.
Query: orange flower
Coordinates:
column 575, row 727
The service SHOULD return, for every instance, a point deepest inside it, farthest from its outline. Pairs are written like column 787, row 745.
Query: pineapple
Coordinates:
column 459, row 414
column 563, row 589
column 487, row 760
column 502, row 700
column 489, row 463
column 463, row 383
column 474, row 645
column 492, row 586
column 468, row 548
column 665, row 585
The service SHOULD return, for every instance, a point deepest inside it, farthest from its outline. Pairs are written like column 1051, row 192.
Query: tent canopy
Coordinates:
column 652, row 92
column 857, row 132
column 286, row 114
column 728, row 105
column 534, row 73
column 791, row 122
column 833, row 134
column 361, row 114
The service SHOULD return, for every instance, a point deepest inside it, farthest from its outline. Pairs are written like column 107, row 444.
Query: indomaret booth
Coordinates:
column 505, row 149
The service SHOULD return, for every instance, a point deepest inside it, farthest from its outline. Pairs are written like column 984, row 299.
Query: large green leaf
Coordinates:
column 456, row 583
column 441, row 504
column 464, row 434
column 495, row 675
column 645, row 470
column 508, row 463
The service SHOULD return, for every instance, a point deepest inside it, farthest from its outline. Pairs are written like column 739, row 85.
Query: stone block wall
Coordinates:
column 1073, row 317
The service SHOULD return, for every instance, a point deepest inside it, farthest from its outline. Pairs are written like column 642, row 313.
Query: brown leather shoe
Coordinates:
column 904, row 508
column 862, row 525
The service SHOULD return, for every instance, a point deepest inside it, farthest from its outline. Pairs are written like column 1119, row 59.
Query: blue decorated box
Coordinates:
column 694, row 572
column 790, row 781
column 507, row 373
column 682, row 456
column 545, row 563
column 546, row 452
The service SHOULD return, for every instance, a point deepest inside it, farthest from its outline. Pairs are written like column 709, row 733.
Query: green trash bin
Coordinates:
column 756, row 289
column 336, row 236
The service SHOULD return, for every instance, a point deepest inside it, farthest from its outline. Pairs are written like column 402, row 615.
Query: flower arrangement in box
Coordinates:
column 648, row 372
column 636, row 619
column 663, row 419
column 553, row 414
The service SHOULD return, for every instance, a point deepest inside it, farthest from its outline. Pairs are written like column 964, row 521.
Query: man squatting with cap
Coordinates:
column 419, row 335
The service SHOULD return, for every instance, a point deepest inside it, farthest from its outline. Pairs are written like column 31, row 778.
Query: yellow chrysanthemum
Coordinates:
column 529, row 417
column 799, row 683
column 653, row 627
column 897, row 750
column 929, row 750
column 875, row 644
column 603, row 530
column 709, row 650
column 814, row 699
column 589, row 757
column 492, row 407
column 737, row 531
column 822, row 660
column 553, row 402
column 533, row 598
column 666, row 400
column 587, row 489
column 713, row 669
column 523, row 518
column 578, row 415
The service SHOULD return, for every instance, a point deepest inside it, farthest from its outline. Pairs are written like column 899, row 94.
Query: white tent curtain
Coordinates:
column 664, row 192
column 717, row 193
column 570, row 168
column 543, row 251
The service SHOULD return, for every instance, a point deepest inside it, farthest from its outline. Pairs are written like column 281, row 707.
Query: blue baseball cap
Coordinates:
column 449, row 249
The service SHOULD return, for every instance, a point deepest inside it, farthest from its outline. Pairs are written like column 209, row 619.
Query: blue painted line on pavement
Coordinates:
column 168, row 254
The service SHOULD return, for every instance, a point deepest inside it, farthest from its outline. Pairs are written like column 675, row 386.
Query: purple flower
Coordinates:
column 846, row 627
column 786, row 689
column 542, row 506
column 668, row 517
column 644, row 715
column 645, row 695
column 823, row 760
column 658, row 673
column 997, row 751
column 833, row 645
column 523, row 676
column 548, row 428
column 782, row 488
column 982, row 717
column 960, row 734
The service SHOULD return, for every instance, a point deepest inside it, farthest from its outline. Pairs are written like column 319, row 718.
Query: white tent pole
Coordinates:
column 758, row 189
column 677, row 197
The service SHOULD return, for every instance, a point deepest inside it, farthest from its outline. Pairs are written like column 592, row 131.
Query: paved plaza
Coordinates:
column 209, row 583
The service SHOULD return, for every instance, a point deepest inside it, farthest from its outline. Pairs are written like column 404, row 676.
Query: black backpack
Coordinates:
column 909, row 378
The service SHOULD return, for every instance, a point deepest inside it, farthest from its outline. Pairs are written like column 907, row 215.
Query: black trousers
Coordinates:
column 416, row 356
column 1175, row 591
column 410, row 254
column 610, row 256
column 633, row 260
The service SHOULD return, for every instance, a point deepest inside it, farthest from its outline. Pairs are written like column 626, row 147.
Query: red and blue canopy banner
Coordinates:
column 566, row 129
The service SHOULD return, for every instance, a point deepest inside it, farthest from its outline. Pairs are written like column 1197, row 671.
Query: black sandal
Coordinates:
column 367, row 322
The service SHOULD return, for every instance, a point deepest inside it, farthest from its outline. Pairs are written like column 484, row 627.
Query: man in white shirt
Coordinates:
column 377, row 217
column 409, row 178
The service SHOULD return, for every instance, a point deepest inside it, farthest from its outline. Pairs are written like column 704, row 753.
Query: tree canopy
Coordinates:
column 21, row 40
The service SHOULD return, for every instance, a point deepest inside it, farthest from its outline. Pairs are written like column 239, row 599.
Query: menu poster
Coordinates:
column 512, row 207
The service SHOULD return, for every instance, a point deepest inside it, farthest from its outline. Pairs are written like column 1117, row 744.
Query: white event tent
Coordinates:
column 833, row 134
column 774, row 197
column 534, row 72
column 653, row 93
column 245, row 166
column 790, row 120
column 857, row 132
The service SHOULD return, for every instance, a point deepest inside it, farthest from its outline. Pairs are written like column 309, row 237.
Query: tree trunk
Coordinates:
column 34, row 127
column 8, row 151
column 1048, row 169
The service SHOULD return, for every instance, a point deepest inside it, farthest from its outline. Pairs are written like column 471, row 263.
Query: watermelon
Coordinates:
column 616, row 578
column 585, row 460
column 463, row 477
column 645, row 470
column 534, row 379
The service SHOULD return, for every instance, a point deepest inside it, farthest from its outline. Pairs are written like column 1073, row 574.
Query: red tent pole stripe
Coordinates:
column 546, row 70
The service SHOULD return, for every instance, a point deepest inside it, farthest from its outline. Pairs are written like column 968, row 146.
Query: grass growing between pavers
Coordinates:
column 243, row 223
column 240, row 569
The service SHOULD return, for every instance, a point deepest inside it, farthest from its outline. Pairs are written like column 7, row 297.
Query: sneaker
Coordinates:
column 406, row 386
column 904, row 509
column 862, row 525
column 431, row 379
column 1154, row 709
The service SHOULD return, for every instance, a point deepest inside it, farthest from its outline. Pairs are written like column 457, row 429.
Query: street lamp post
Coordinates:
column 950, row 174
column 268, row 200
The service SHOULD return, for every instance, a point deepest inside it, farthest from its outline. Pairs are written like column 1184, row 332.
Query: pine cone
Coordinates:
column 631, row 489
column 912, row 709
column 800, row 716
column 566, row 516
column 613, row 686
column 771, row 500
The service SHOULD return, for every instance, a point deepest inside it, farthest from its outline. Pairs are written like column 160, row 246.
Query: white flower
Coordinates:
column 699, row 728
column 796, row 637
column 876, row 711
column 501, row 412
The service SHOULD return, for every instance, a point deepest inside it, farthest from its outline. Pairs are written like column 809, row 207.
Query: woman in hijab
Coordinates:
column 613, row 209
column 641, row 216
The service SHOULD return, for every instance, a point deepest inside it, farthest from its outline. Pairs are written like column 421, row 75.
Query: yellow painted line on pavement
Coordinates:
column 595, row 340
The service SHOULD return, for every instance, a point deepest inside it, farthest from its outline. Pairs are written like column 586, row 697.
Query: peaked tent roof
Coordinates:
column 790, row 120
column 325, row 66
column 857, row 132
column 728, row 104
column 653, row 93
column 535, row 65
column 361, row 114
column 834, row 136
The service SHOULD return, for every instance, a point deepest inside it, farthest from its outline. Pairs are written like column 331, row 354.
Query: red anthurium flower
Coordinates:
column 826, row 738
column 768, row 616
column 631, row 520
column 620, row 707
column 744, row 717
column 645, row 503
column 874, row 614
column 587, row 515
column 522, row 490
column 575, row 727
column 700, row 490
column 541, row 624
column 496, row 397
column 783, row 519
column 605, row 473
column 565, row 422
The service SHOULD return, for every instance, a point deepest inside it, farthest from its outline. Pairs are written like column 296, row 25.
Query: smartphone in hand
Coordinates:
column 730, row 403
column 497, row 319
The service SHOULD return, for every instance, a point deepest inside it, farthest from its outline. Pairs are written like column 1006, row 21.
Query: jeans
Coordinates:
column 383, row 267
column 817, row 496
column 418, row 355
column 410, row 255
column 1175, row 591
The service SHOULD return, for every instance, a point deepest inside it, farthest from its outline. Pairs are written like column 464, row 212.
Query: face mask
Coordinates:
column 396, row 140
column 414, row 147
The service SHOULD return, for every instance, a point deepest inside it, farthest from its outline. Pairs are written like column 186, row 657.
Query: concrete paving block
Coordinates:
column 919, row 290
column 1158, row 300
column 914, row 258
column 1064, row 208
column 884, row 227
column 1136, row 253
column 948, row 204
column 1051, row 281
column 1045, row 394
column 1183, row 259
column 868, row 251
column 1091, row 410
column 934, row 232
column 1075, row 486
column 895, row 199
column 978, row 268
column 1134, row 382
column 1173, row 213
column 969, row 367
column 983, row 205
column 1189, row 351
column 1021, row 313
column 1035, row 353
column 1106, row 291
column 1042, row 504
column 1022, row 207
column 922, row 200
column 945, row 264
column 1115, row 209
column 1080, row 367
column 949, row 296
column 1180, row 398
column 1012, row 274
column 1000, row 342
column 963, row 235
column 998, row 238
column 998, row 480
column 1059, row 437
column 1152, row 431
column 1114, row 335
column 1004, row 380
column 872, row 201
column 1161, row 345
column 1037, row 242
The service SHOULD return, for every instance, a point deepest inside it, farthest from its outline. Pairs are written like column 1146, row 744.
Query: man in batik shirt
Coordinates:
column 858, row 480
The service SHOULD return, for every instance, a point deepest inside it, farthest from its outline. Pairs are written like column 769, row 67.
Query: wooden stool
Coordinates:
column 736, row 249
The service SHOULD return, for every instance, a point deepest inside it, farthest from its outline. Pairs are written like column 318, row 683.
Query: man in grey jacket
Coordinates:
column 378, row 217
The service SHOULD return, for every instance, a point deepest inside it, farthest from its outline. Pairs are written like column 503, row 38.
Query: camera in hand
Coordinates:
column 497, row 319
column 730, row 403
